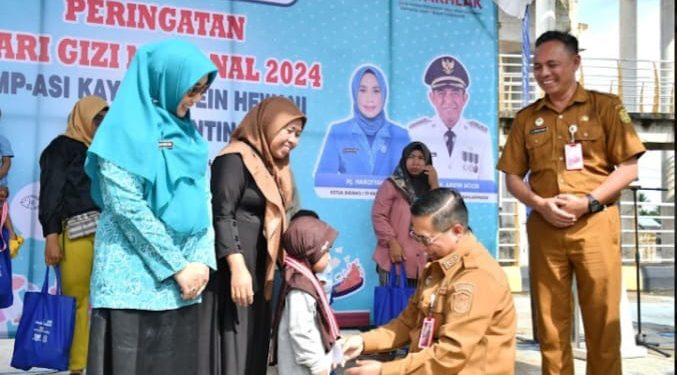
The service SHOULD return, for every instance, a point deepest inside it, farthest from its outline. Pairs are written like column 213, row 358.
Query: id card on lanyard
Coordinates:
column 427, row 330
column 573, row 152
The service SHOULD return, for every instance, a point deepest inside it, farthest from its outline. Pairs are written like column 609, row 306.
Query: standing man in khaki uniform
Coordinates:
column 581, row 149
column 461, row 320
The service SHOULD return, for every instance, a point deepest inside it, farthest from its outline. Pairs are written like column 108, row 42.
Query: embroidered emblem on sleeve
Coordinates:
column 462, row 298
column 623, row 114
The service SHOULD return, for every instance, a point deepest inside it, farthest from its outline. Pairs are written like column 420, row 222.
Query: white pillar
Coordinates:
column 628, row 53
column 667, row 53
column 668, row 182
column 545, row 17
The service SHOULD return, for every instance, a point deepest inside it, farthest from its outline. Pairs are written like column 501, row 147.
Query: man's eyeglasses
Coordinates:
column 425, row 240
column 197, row 89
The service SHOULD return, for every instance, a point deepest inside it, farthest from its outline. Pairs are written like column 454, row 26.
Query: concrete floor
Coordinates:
column 658, row 322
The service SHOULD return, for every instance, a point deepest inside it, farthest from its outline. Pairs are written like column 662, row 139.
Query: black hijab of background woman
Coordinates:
column 412, row 186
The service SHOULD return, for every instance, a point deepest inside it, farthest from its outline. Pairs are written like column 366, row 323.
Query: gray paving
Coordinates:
column 658, row 322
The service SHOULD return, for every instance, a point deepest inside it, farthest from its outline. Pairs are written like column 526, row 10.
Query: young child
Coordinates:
column 9, row 244
column 304, row 327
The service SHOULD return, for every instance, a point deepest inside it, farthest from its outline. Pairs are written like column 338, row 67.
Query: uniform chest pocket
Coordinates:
column 439, row 308
column 539, row 147
column 591, row 137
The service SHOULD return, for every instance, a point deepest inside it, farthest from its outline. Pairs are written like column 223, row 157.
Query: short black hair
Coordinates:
column 445, row 205
column 303, row 212
column 570, row 42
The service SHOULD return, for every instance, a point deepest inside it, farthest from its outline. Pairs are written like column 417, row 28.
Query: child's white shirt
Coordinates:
column 299, row 346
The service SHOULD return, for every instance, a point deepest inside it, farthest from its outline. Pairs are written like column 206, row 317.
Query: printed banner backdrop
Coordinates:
column 54, row 52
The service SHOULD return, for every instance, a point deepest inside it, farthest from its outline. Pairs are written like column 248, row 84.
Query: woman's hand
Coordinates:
column 433, row 180
column 241, row 290
column 395, row 252
column 192, row 280
column 53, row 252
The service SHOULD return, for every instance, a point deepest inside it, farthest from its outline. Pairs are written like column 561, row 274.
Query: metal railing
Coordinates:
column 656, row 232
column 646, row 86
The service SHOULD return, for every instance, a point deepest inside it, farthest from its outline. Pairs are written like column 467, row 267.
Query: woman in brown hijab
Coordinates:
column 252, row 191
column 64, row 198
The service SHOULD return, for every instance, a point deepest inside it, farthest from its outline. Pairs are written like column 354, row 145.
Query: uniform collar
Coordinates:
column 463, row 254
column 454, row 128
column 384, row 132
column 580, row 96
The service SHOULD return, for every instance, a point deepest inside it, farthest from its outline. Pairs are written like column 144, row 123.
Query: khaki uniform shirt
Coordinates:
column 539, row 133
column 475, row 318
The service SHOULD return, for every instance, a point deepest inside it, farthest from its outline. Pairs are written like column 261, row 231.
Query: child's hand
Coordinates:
column 352, row 347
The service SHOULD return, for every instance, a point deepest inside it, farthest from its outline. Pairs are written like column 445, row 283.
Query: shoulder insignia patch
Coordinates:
column 450, row 262
column 623, row 114
column 419, row 122
column 479, row 126
column 462, row 298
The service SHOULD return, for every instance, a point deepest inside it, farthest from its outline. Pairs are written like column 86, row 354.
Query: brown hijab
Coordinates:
column 80, row 120
column 259, row 127
column 251, row 139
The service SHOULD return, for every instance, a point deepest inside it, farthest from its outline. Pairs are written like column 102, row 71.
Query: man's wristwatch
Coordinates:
column 593, row 204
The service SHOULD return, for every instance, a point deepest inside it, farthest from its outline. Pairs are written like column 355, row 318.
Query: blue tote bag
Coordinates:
column 391, row 299
column 6, row 294
column 45, row 332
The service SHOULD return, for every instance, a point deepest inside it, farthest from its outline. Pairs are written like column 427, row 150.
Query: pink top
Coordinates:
column 391, row 218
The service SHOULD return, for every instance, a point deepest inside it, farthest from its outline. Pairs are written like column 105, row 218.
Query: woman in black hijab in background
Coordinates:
column 413, row 177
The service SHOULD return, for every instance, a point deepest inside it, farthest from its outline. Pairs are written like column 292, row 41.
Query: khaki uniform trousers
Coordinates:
column 590, row 251
column 76, row 272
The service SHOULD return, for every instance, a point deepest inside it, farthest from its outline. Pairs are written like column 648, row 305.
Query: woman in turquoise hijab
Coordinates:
column 154, row 242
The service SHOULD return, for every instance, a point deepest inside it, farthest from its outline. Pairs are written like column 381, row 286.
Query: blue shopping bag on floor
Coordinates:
column 45, row 332
column 391, row 299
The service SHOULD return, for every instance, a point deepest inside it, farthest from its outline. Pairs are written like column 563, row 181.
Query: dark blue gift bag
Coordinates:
column 391, row 299
column 6, row 295
column 45, row 332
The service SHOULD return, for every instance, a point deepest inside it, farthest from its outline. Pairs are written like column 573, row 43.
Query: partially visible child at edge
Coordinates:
column 9, row 237
column 9, row 245
column 300, row 347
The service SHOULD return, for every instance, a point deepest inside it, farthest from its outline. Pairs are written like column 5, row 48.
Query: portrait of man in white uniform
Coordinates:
column 461, row 147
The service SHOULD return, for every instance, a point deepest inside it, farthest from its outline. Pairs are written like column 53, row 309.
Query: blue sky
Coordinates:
column 601, row 37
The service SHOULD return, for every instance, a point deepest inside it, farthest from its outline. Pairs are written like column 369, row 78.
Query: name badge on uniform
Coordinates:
column 426, row 338
column 165, row 144
column 573, row 152
column 350, row 150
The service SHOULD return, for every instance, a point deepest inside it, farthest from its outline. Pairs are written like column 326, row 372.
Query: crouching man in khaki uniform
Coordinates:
column 461, row 320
